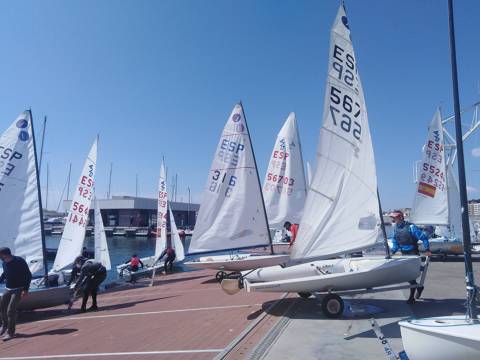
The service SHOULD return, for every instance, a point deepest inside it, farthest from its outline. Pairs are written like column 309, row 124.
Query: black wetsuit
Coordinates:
column 170, row 253
column 91, row 276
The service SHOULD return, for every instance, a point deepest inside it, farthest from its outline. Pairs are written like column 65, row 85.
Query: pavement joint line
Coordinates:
column 149, row 313
column 152, row 293
column 165, row 352
column 248, row 329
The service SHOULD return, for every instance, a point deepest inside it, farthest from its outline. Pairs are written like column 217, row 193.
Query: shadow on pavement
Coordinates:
column 47, row 332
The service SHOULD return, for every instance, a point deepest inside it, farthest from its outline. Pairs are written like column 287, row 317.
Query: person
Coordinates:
column 17, row 277
column 293, row 229
column 134, row 263
column 405, row 238
column 76, row 268
column 182, row 235
column 92, row 274
column 171, row 255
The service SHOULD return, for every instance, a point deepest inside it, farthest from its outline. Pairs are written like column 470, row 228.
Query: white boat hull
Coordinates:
column 43, row 297
column 335, row 275
column 238, row 262
column 442, row 338
column 141, row 272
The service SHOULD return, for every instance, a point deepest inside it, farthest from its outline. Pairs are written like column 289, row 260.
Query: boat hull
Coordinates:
column 238, row 262
column 335, row 275
column 43, row 297
column 142, row 272
column 442, row 338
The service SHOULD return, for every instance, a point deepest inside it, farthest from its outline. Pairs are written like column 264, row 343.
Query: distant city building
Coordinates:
column 125, row 211
column 474, row 208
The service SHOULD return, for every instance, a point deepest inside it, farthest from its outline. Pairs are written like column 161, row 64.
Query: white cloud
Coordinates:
column 476, row 152
column 472, row 189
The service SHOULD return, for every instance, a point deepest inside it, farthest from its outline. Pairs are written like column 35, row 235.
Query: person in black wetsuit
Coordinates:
column 17, row 277
column 92, row 274
column 405, row 238
column 171, row 255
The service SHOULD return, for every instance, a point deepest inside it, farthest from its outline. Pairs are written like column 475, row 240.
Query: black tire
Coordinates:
column 304, row 295
column 220, row 276
column 332, row 306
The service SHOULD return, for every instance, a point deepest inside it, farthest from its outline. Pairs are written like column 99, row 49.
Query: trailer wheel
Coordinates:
column 332, row 306
column 220, row 276
column 304, row 295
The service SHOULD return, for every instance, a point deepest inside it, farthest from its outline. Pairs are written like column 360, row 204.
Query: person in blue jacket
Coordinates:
column 405, row 238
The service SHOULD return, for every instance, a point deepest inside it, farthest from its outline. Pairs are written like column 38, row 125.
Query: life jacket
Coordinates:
column 134, row 261
column 294, row 231
column 404, row 236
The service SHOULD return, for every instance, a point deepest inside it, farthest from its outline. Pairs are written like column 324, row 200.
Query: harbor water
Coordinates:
column 121, row 248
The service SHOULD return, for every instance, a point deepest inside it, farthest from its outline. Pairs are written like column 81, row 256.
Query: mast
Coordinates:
column 110, row 181
column 43, row 141
column 259, row 184
column 68, row 180
column 42, row 228
column 46, row 195
column 471, row 289
column 382, row 225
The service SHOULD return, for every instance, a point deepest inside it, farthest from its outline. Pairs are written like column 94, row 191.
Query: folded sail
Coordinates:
column 231, row 213
column 101, row 247
column 175, row 238
column 162, row 204
column 430, row 205
column 284, row 188
column 341, row 211
column 73, row 235
column 20, row 216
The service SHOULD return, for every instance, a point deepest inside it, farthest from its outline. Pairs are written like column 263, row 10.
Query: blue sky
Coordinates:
column 159, row 78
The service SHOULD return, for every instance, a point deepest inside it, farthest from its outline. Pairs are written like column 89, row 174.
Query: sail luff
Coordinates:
column 258, row 181
column 341, row 211
column 162, row 204
column 39, row 191
column 430, row 206
column 232, row 213
column 73, row 235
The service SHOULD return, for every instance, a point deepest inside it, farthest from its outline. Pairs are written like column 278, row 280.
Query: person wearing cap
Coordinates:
column 17, row 277
column 92, row 274
column 405, row 238
column 293, row 230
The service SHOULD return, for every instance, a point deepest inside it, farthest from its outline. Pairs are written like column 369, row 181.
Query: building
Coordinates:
column 131, row 211
column 474, row 208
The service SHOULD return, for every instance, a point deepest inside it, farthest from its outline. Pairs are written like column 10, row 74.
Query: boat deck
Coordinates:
column 183, row 316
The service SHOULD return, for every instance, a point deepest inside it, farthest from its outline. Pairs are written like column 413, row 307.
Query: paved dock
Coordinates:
column 305, row 333
column 183, row 316
column 187, row 316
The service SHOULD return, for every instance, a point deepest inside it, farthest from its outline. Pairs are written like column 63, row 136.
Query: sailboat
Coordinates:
column 151, row 263
column 71, row 243
column 437, row 199
column 101, row 247
column 341, row 212
column 450, row 337
column 284, row 188
column 232, row 214
column 22, row 214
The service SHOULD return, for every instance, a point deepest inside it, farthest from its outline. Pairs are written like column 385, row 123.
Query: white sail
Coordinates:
column 162, row 204
column 284, row 188
column 454, row 230
column 77, row 218
column 101, row 246
column 309, row 174
column 341, row 211
column 231, row 214
column 19, row 199
column 176, row 242
column 430, row 206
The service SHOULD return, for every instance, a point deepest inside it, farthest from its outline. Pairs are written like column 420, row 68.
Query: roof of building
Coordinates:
column 138, row 203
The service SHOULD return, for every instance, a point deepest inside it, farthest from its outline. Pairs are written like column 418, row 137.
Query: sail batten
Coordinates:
column 232, row 213
column 73, row 236
column 341, row 211
column 284, row 186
